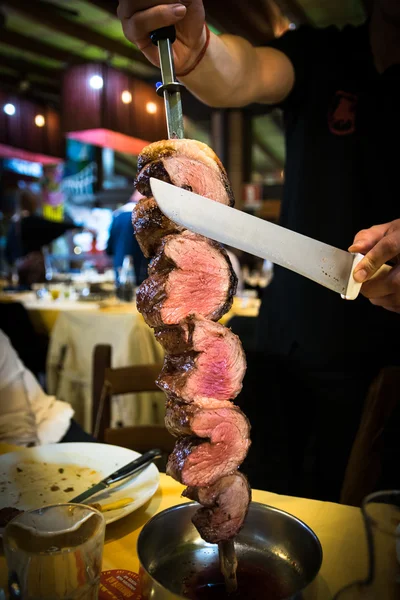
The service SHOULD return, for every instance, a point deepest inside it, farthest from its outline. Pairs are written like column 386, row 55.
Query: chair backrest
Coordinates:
column 124, row 380
column 366, row 462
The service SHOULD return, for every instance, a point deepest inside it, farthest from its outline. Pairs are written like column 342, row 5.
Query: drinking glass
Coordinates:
column 55, row 553
column 55, row 291
column 381, row 512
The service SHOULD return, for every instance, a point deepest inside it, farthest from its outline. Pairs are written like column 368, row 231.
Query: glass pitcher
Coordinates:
column 55, row 553
column 381, row 513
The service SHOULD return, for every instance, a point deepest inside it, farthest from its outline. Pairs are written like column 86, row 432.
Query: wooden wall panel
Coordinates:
column 151, row 127
column 81, row 105
column 84, row 108
column 20, row 131
column 55, row 138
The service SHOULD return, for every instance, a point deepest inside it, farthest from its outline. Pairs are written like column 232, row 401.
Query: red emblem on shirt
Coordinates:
column 342, row 114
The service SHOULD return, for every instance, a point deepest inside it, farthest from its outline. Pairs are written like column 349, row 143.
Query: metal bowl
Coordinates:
column 278, row 556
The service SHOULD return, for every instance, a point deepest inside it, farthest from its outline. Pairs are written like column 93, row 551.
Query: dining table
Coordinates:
column 44, row 313
column 338, row 527
column 75, row 328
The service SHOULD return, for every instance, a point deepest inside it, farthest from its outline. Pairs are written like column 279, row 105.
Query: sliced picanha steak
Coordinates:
column 225, row 505
column 187, row 164
column 204, row 360
column 150, row 225
column 226, row 430
column 190, row 274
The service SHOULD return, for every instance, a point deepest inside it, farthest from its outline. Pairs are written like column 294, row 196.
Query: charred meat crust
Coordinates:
column 152, row 294
column 153, row 169
column 161, row 261
column 150, row 164
column 177, row 459
column 157, row 170
column 177, row 339
column 176, row 366
column 173, row 338
column 167, row 148
column 180, row 342
column 217, row 520
column 150, row 226
column 179, row 415
column 224, row 432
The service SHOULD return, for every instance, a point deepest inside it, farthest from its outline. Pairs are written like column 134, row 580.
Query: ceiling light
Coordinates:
column 126, row 97
column 151, row 108
column 292, row 26
column 96, row 82
column 40, row 121
column 77, row 250
column 9, row 109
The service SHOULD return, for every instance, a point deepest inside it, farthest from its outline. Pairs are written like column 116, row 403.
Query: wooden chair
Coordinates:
column 365, row 465
column 108, row 382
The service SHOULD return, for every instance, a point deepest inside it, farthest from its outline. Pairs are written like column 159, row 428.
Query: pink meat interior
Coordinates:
column 197, row 176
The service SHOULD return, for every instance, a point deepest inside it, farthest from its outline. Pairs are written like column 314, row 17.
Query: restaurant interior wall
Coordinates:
column 85, row 107
column 20, row 131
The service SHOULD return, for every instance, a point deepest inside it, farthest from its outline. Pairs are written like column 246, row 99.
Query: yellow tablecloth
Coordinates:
column 339, row 528
column 242, row 307
column 44, row 313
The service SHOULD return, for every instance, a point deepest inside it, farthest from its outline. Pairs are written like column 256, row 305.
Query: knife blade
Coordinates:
column 324, row 264
column 126, row 471
column 164, row 38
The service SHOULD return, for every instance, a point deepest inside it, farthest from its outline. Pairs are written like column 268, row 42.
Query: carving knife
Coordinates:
column 324, row 264
column 136, row 466
column 170, row 88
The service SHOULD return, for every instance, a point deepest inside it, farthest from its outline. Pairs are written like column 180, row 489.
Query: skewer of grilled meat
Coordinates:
column 190, row 287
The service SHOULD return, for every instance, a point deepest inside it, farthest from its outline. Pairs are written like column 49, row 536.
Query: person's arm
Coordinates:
column 380, row 244
column 232, row 71
column 27, row 414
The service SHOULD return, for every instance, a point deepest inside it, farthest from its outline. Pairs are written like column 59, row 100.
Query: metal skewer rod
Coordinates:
column 172, row 94
column 228, row 564
column 170, row 88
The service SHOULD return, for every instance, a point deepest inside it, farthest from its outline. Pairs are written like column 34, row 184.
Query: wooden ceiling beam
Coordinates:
column 23, row 42
column 38, row 91
column 25, row 68
column 109, row 6
column 51, row 18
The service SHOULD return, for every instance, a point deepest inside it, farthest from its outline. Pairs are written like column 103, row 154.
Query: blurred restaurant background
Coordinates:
column 78, row 103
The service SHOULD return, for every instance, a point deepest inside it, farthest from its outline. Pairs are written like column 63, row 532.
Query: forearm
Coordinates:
column 233, row 73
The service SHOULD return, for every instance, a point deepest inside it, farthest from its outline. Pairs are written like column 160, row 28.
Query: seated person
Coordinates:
column 122, row 242
column 28, row 416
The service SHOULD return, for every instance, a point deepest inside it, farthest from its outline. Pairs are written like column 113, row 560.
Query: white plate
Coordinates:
column 31, row 488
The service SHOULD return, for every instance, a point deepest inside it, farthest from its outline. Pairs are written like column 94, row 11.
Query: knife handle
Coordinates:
column 132, row 467
column 164, row 33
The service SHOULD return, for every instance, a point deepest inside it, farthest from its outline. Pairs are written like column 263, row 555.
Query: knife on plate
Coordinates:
column 324, row 264
column 126, row 471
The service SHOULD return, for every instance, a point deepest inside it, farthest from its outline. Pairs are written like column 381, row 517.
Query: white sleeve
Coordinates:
column 27, row 414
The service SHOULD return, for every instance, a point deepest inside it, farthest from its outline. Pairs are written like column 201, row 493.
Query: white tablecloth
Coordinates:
column 132, row 342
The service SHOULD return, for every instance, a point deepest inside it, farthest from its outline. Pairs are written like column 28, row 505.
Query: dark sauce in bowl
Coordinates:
column 254, row 583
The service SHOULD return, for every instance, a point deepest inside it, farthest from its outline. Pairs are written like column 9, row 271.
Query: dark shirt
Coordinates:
column 342, row 130
column 31, row 233
column 122, row 242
